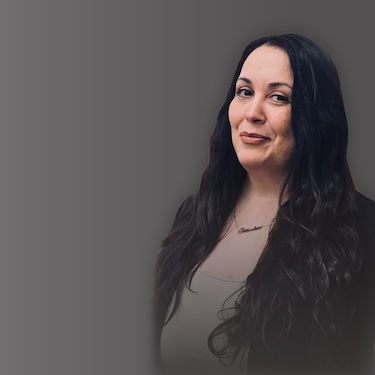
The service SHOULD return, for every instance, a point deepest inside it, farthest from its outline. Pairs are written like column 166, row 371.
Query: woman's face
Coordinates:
column 260, row 111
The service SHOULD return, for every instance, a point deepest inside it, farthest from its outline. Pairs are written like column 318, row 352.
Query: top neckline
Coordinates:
column 221, row 278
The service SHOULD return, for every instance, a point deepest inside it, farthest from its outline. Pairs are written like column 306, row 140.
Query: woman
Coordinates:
column 269, row 269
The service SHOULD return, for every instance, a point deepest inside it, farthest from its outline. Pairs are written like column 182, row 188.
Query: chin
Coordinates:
column 265, row 166
column 251, row 164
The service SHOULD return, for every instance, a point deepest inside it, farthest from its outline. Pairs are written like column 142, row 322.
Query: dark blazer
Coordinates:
column 356, row 353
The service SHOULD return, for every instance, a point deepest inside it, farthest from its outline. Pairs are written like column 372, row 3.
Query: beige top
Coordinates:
column 184, row 347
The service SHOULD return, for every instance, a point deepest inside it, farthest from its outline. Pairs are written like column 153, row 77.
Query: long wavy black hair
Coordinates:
column 299, row 291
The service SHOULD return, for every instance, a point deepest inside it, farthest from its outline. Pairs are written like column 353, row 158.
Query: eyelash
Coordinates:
column 241, row 91
column 283, row 98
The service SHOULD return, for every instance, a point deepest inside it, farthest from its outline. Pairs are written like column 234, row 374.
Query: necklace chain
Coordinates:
column 246, row 230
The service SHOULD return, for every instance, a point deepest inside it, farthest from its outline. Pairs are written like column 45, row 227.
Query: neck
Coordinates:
column 264, row 186
column 259, row 201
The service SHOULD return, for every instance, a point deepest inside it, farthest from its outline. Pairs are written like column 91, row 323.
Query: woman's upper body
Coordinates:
column 278, row 211
column 183, row 344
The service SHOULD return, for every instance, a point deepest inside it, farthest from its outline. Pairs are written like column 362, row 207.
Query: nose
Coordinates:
column 255, row 111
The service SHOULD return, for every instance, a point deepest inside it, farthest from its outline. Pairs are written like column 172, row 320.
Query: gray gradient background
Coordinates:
column 106, row 112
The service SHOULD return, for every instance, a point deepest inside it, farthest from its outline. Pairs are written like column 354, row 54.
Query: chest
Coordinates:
column 236, row 255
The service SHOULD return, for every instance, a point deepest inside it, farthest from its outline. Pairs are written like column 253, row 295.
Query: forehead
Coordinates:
column 268, row 63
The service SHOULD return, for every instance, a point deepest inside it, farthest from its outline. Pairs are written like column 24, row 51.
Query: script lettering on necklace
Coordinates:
column 244, row 230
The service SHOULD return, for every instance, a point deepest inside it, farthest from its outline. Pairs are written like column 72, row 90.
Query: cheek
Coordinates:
column 234, row 115
column 284, row 133
column 287, row 138
column 284, row 128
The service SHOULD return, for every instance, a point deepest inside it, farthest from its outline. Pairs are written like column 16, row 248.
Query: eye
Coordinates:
column 244, row 92
column 279, row 98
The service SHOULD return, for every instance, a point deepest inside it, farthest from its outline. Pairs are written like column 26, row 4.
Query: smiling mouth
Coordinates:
column 254, row 136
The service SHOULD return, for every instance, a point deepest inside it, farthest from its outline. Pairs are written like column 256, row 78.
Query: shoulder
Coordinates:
column 365, row 223
column 365, row 205
column 365, row 215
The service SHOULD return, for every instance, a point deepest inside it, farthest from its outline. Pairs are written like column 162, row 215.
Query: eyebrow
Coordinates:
column 271, row 85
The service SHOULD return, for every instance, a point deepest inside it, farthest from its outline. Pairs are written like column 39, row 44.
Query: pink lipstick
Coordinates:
column 253, row 138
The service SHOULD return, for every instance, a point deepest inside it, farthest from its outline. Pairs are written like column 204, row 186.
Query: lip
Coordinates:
column 253, row 138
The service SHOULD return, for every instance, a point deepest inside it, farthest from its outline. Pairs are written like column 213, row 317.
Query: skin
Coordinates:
column 262, row 106
column 259, row 117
